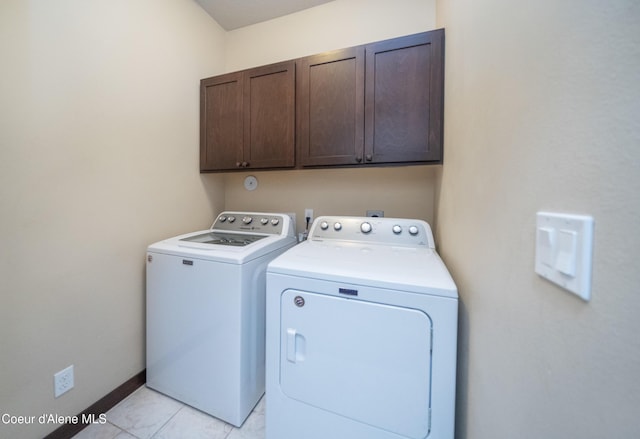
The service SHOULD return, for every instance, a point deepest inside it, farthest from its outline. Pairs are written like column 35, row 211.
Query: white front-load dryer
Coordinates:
column 361, row 334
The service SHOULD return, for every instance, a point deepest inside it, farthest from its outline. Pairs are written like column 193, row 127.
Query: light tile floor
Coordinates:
column 147, row 414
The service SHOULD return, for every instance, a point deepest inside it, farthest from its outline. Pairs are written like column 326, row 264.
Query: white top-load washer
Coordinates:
column 206, row 312
column 361, row 334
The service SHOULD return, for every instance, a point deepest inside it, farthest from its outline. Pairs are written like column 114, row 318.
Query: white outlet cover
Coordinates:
column 63, row 381
column 564, row 251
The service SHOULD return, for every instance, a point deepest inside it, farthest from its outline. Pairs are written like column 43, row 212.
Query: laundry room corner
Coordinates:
column 214, row 187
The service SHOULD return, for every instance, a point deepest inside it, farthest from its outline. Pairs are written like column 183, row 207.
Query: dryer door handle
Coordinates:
column 296, row 346
column 291, row 345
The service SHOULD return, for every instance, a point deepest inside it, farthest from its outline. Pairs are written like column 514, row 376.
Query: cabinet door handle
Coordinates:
column 238, row 164
column 369, row 157
column 358, row 159
column 245, row 164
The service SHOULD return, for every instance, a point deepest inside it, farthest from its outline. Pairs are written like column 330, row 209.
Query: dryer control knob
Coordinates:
column 275, row 221
column 365, row 227
column 413, row 230
column 247, row 220
column 397, row 229
column 324, row 225
column 222, row 219
column 231, row 219
column 337, row 226
column 264, row 221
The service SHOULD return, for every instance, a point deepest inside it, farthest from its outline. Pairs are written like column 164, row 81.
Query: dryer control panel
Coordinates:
column 374, row 230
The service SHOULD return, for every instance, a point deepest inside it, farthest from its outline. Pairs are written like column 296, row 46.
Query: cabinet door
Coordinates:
column 269, row 116
column 330, row 108
column 221, row 122
column 404, row 99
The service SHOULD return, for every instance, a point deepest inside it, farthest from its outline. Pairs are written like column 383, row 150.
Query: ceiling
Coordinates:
column 233, row 14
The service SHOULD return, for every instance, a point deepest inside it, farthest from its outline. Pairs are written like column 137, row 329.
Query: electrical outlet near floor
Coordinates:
column 63, row 381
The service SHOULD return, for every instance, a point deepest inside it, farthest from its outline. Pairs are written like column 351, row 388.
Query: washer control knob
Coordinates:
column 222, row 218
column 275, row 221
column 231, row 219
column 413, row 230
column 337, row 226
column 365, row 227
column 397, row 229
column 264, row 221
column 324, row 225
column 247, row 220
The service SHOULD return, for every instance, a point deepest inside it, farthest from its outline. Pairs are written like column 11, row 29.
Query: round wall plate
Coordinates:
column 250, row 183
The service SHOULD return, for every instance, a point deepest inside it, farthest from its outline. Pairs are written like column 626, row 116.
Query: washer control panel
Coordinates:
column 269, row 223
column 390, row 231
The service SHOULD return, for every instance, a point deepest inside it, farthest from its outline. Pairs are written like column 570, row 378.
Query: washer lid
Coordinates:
column 221, row 238
column 234, row 237
column 196, row 248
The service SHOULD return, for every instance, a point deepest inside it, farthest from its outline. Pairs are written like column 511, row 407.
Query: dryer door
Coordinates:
column 365, row 361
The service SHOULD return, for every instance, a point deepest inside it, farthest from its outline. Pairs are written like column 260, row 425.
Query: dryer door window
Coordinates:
column 366, row 361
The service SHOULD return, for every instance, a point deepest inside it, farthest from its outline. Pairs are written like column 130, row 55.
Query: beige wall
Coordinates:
column 334, row 25
column 400, row 192
column 541, row 113
column 98, row 158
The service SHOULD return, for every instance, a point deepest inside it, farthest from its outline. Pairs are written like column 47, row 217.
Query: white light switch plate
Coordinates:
column 564, row 250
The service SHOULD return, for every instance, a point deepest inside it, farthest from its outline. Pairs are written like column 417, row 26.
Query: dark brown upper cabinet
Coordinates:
column 247, row 119
column 221, row 122
column 404, row 100
column 381, row 103
column 371, row 105
column 330, row 108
